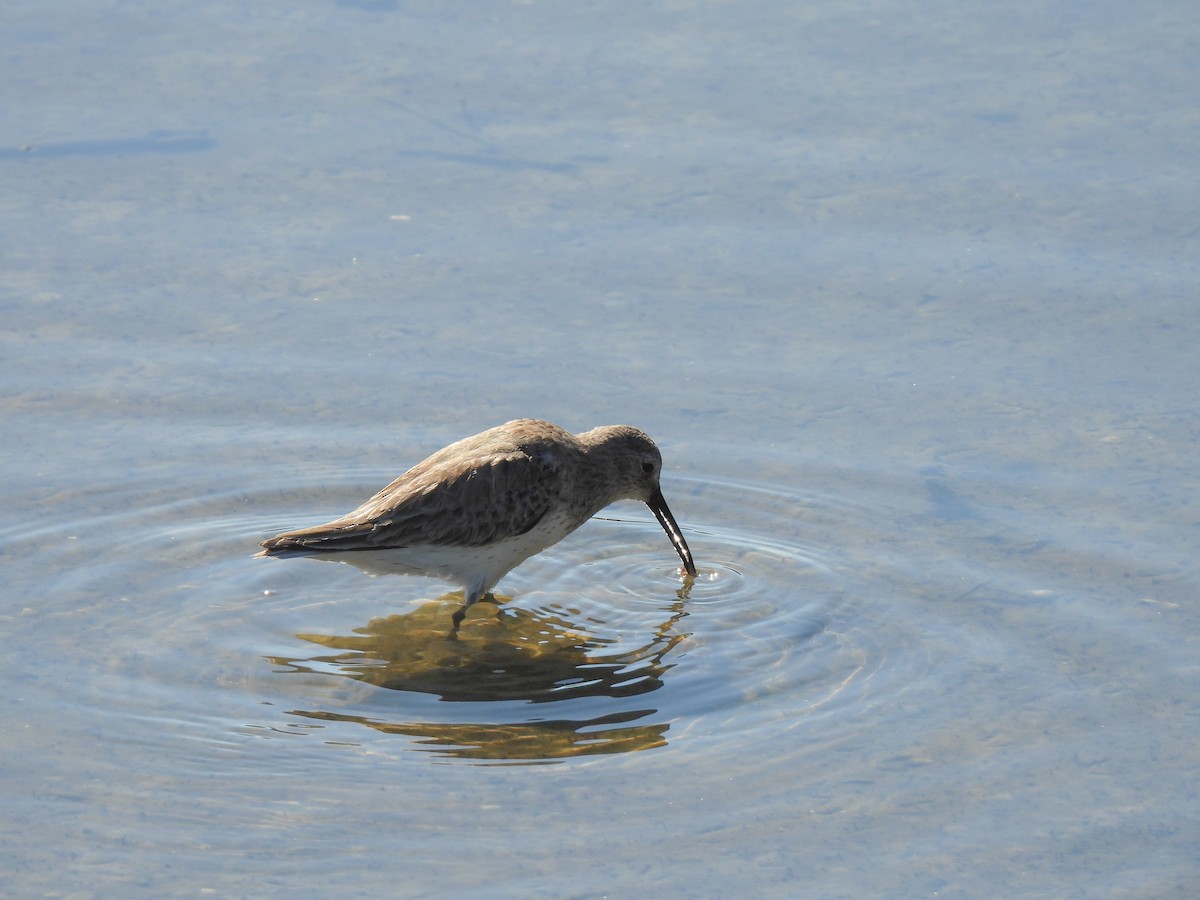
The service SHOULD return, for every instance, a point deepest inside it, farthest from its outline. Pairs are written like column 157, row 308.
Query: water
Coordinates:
column 906, row 297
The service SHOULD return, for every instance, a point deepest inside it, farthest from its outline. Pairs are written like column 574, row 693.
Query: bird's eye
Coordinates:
column 648, row 467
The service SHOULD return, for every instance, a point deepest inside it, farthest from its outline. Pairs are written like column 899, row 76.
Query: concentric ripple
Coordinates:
column 598, row 645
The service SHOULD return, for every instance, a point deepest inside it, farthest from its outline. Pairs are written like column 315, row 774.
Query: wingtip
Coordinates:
column 269, row 547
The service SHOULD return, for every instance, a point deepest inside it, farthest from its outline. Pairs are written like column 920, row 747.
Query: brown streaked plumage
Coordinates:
column 476, row 509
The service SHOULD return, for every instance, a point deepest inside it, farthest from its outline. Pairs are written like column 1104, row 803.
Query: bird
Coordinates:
column 478, row 508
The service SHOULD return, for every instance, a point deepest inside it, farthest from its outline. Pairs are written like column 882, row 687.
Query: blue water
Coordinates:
column 907, row 296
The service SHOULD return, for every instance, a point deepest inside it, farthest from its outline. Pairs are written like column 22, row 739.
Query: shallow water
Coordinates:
column 907, row 300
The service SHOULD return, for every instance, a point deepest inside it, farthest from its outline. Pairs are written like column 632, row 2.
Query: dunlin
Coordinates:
column 478, row 508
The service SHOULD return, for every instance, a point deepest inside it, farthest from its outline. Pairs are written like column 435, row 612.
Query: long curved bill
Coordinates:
column 659, row 507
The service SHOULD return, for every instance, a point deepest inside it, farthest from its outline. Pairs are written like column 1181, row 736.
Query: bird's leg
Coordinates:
column 457, row 620
column 470, row 597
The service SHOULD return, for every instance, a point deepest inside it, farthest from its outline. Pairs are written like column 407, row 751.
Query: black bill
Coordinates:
column 659, row 507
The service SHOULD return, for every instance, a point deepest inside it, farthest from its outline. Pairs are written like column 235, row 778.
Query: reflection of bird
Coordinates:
column 475, row 510
column 535, row 656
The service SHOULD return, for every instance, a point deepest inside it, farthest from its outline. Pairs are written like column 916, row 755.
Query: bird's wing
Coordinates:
column 467, row 502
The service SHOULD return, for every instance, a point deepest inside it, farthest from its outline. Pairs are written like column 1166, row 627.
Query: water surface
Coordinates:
column 907, row 298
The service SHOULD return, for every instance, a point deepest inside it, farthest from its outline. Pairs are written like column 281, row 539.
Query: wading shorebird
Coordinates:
column 478, row 508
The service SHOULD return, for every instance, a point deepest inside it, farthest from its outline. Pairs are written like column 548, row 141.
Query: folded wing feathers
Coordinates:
column 471, row 505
